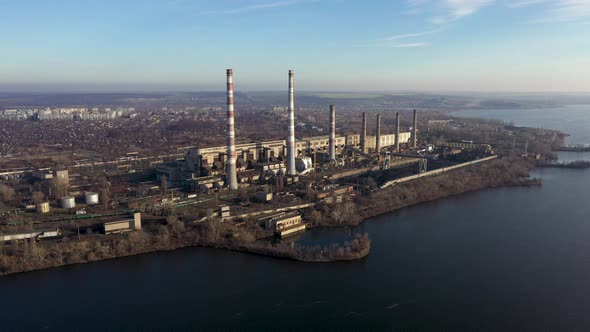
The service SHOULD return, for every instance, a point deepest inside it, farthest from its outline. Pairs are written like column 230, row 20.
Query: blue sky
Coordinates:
column 417, row 45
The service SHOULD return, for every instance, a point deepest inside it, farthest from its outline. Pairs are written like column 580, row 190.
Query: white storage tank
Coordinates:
column 303, row 164
column 91, row 198
column 68, row 202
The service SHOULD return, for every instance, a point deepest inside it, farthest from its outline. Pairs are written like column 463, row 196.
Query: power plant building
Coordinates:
column 209, row 161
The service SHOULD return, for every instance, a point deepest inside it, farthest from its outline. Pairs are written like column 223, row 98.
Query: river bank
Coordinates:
column 504, row 172
column 176, row 234
column 578, row 164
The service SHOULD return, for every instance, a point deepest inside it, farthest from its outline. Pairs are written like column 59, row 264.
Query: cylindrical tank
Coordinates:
column 303, row 164
column 91, row 198
column 68, row 202
column 42, row 207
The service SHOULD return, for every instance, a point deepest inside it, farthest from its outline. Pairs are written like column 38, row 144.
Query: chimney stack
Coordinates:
column 230, row 172
column 291, row 138
column 364, row 134
column 415, row 130
column 378, row 134
column 332, row 141
column 397, row 121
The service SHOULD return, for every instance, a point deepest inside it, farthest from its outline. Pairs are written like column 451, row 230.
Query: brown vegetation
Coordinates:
column 20, row 256
column 496, row 173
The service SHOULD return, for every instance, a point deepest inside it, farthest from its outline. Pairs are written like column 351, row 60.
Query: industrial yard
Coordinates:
column 212, row 179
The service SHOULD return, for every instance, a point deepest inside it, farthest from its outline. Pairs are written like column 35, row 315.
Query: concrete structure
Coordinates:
column 224, row 211
column 199, row 162
column 42, row 207
column 284, row 224
column 291, row 136
column 397, row 125
column 319, row 144
column 42, row 175
column 415, row 130
column 335, row 194
column 127, row 225
column 467, row 145
column 37, row 235
column 62, row 176
column 91, row 198
column 68, row 202
column 332, row 140
column 386, row 140
column 364, row 133
column 231, row 172
column 378, row 134
column 435, row 172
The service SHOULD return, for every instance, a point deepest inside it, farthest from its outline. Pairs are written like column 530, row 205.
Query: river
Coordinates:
column 571, row 119
column 498, row 259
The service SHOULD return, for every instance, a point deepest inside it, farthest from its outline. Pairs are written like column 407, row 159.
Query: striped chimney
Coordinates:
column 378, row 134
column 332, row 141
column 397, row 120
column 364, row 134
column 415, row 130
column 230, row 172
column 291, row 138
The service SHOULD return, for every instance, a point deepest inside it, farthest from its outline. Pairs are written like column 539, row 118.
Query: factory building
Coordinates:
column 388, row 140
column 200, row 162
column 284, row 224
column 122, row 226
column 36, row 235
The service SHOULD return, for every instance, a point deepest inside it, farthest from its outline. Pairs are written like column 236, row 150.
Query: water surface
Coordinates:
column 571, row 119
column 499, row 259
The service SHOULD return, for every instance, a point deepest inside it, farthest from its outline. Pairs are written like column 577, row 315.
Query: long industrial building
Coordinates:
column 211, row 160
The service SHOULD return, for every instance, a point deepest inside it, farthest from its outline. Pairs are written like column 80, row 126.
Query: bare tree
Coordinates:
column 105, row 197
column 7, row 194
column 343, row 213
column 59, row 188
column 38, row 197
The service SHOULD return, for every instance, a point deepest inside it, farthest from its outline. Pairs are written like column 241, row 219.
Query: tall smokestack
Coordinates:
column 230, row 172
column 397, row 121
column 364, row 134
column 415, row 130
column 378, row 134
column 332, row 141
column 291, row 138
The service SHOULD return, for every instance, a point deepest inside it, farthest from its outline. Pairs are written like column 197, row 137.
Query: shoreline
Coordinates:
column 177, row 238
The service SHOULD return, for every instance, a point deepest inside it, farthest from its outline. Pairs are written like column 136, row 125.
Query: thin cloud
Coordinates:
column 409, row 45
column 392, row 45
column 411, row 35
column 392, row 41
column 259, row 6
column 527, row 3
column 558, row 11
column 461, row 8
column 451, row 9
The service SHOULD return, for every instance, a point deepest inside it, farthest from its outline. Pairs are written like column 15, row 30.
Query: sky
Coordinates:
column 333, row 45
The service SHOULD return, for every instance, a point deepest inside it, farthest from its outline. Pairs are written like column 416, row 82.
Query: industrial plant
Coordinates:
column 315, row 168
column 243, row 164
